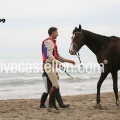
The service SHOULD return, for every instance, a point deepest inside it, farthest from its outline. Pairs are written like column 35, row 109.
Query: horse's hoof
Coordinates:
column 98, row 106
column 117, row 106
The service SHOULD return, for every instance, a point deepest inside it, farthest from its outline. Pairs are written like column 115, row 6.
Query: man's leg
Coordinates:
column 52, row 103
column 47, row 90
column 43, row 100
column 59, row 100
column 51, row 72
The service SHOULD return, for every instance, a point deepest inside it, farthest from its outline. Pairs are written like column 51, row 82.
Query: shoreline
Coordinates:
column 69, row 95
column 81, row 108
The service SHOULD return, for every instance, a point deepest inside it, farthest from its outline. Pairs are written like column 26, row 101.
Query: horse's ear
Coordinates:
column 80, row 27
column 75, row 28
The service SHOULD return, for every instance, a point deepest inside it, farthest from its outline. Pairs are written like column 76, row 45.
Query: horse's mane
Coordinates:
column 89, row 32
column 94, row 34
column 115, row 37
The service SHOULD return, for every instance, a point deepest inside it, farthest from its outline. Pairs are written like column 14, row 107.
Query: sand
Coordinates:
column 82, row 108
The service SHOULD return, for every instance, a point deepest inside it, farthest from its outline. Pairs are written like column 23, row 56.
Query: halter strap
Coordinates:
column 77, row 46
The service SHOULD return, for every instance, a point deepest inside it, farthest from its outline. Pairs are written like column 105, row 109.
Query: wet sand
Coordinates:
column 82, row 108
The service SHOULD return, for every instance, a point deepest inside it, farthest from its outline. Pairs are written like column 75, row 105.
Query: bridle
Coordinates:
column 81, row 37
column 77, row 47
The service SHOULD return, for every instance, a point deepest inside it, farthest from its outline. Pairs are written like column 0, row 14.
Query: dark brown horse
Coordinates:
column 107, row 51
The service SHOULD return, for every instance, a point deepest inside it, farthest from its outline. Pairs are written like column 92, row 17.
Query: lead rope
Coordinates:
column 78, row 55
column 62, row 68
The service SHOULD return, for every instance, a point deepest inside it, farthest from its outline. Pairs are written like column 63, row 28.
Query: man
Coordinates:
column 50, row 59
column 44, row 96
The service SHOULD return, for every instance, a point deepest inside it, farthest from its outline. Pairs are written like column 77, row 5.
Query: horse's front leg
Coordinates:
column 115, row 86
column 102, row 78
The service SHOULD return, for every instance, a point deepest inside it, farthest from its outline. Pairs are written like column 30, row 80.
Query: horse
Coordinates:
column 107, row 51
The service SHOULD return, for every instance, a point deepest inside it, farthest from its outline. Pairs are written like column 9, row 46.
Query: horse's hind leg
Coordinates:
column 115, row 86
column 102, row 78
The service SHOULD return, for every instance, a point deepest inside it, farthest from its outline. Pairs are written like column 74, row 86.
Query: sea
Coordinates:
column 31, row 85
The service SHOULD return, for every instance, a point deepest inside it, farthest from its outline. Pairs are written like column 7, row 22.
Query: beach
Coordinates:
column 20, row 95
column 81, row 108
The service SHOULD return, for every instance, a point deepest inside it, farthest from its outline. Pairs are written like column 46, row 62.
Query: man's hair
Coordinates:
column 51, row 30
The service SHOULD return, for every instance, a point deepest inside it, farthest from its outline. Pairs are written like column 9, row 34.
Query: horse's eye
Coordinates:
column 76, row 37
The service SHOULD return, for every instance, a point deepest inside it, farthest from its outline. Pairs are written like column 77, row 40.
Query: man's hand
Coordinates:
column 58, row 64
column 72, row 62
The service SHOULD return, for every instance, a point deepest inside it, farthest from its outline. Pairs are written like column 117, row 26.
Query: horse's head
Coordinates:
column 77, row 40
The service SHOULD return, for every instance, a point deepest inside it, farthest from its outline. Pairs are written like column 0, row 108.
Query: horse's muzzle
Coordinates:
column 72, row 52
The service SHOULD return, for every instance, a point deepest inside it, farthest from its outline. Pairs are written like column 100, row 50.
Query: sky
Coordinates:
column 27, row 23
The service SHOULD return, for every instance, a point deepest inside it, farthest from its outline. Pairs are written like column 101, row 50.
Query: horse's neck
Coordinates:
column 93, row 41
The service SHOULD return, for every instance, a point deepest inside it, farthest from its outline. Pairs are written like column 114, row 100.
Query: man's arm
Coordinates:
column 62, row 59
